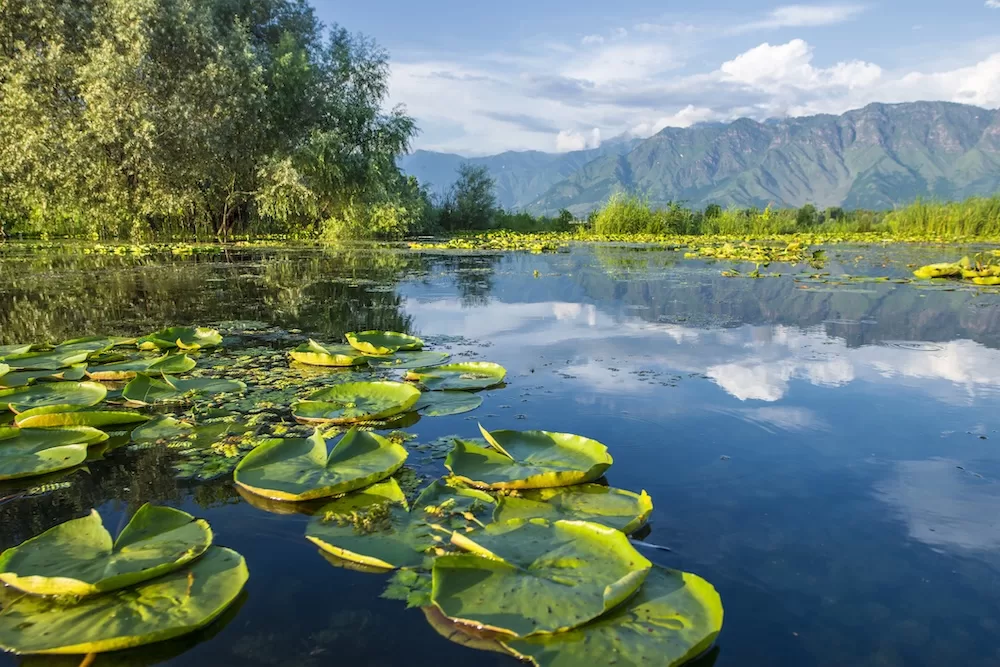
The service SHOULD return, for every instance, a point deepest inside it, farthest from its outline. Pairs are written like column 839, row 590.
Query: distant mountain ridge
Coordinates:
column 875, row 157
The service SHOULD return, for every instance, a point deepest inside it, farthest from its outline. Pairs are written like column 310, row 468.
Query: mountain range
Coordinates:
column 877, row 157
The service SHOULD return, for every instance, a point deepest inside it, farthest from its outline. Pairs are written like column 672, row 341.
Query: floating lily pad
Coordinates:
column 170, row 364
column 526, row 577
column 89, row 344
column 79, row 558
column 375, row 526
column 383, row 342
column 31, row 452
column 356, row 401
column 170, row 606
column 944, row 270
column 528, row 460
column 468, row 375
column 57, row 396
column 24, row 378
column 50, row 360
column 464, row 635
column 13, row 349
column 674, row 618
column 299, row 469
column 4, row 369
column 407, row 360
column 444, row 403
column 314, row 354
column 43, row 418
column 185, row 338
column 149, row 390
column 616, row 508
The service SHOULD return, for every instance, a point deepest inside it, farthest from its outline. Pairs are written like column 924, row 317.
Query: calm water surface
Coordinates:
column 825, row 454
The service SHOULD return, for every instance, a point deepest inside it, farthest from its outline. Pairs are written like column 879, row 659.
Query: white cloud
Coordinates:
column 568, row 140
column 685, row 117
column 993, row 4
column 590, row 40
column 803, row 16
column 790, row 66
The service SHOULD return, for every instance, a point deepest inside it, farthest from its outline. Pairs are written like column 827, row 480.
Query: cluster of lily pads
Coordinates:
column 979, row 270
column 56, row 399
column 81, row 592
column 518, row 550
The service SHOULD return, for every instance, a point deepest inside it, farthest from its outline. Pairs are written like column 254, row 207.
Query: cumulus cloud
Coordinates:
column 993, row 4
column 568, row 140
column 790, row 66
column 686, row 117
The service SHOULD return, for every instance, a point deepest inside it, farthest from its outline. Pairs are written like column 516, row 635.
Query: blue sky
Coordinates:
column 555, row 75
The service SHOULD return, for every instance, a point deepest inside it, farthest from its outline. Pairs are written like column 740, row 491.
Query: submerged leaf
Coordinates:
column 530, row 577
column 383, row 342
column 162, row 608
column 299, row 469
column 445, row 403
column 674, row 618
column 355, row 402
column 616, row 508
column 407, row 360
column 528, row 460
column 78, row 557
column 461, row 376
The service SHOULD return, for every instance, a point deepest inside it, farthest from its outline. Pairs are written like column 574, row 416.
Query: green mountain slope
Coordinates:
column 874, row 157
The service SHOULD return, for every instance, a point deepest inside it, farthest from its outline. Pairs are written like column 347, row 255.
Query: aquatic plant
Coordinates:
column 383, row 342
column 468, row 375
column 356, row 402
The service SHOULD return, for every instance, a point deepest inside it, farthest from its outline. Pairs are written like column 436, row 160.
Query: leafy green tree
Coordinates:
column 472, row 202
column 807, row 216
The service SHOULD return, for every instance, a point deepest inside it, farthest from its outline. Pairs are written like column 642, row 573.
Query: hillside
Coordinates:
column 875, row 157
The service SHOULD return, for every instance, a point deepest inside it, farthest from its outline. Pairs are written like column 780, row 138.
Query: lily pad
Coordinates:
column 56, row 396
column 944, row 270
column 383, row 342
column 468, row 375
column 89, row 344
column 170, row 606
column 170, row 364
column 464, row 635
column 24, row 378
column 674, row 618
column 50, row 360
column 528, row 460
column 445, row 403
column 79, row 558
column 529, row 577
column 314, row 354
column 13, row 349
column 407, row 360
column 42, row 418
column 616, row 508
column 31, row 452
column 299, row 469
column 4, row 369
column 185, row 338
column 375, row 527
column 149, row 390
column 356, row 401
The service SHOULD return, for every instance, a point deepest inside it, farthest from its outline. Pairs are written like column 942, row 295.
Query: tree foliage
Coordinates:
column 137, row 116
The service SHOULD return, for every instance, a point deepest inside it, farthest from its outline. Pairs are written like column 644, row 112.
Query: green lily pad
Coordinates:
column 616, row 508
column 13, row 349
column 445, row 403
column 79, row 558
column 50, row 360
column 314, row 354
column 299, row 469
column 185, row 338
column 24, row 378
column 674, row 618
column 356, row 401
column 408, row 360
column 383, row 342
column 32, row 452
column 528, row 460
column 4, row 369
column 89, row 344
column 464, row 635
column 944, row 270
column 149, row 390
column 170, row 364
column 527, row 577
column 468, row 375
column 57, row 396
column 156, row 610
column 43, row 418
column 375, row 527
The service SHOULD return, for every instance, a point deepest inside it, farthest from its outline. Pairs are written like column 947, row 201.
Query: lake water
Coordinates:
column 823, row 451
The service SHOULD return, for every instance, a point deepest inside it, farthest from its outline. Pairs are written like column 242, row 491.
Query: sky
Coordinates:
column 560, row 75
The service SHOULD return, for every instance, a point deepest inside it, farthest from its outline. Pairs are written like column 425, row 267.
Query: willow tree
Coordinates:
column 121, row 116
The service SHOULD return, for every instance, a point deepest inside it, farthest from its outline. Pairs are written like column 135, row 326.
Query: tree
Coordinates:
column 472, row 202
column 807, row 216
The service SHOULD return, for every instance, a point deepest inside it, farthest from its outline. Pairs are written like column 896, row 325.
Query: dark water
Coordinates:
column 825, row 454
